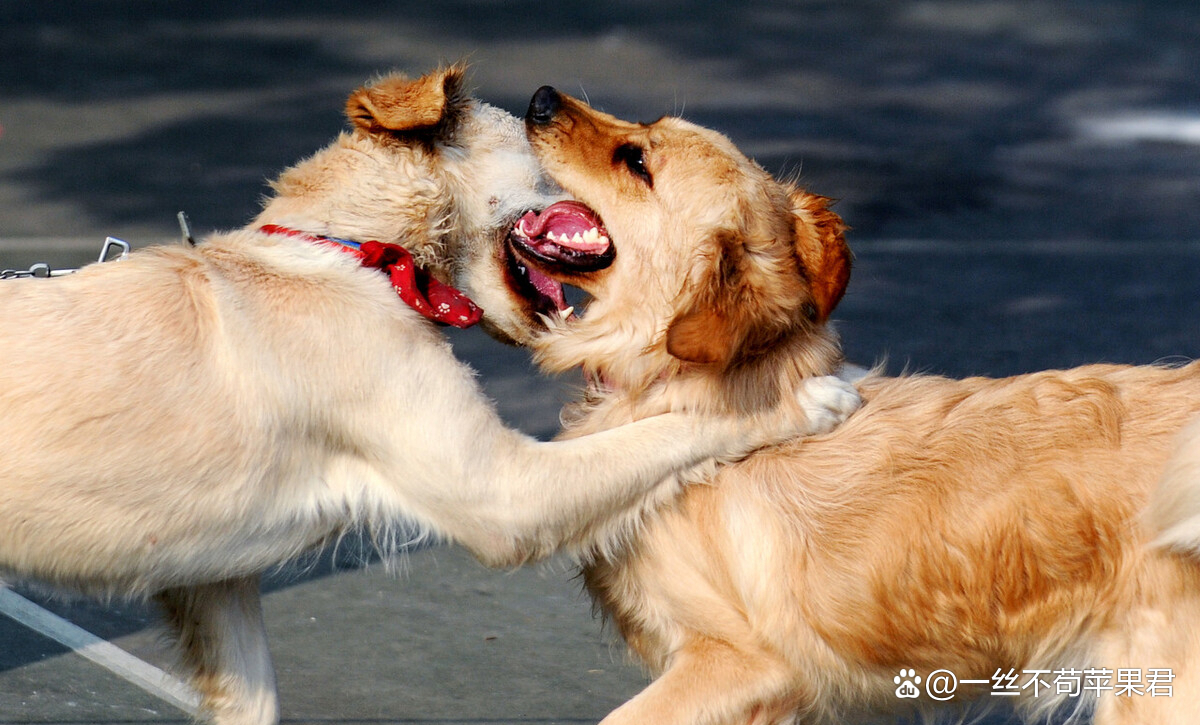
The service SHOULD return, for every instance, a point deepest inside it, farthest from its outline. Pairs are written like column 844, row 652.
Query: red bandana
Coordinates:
column 415, row 285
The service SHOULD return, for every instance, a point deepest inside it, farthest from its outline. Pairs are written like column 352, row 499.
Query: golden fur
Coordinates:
column 187, row 417
column 974, row 525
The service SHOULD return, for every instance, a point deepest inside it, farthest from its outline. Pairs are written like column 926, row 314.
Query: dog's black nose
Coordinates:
column 543, row 106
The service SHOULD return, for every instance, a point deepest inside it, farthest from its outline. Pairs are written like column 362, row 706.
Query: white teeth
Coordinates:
column 591, row 236
column 566, row 313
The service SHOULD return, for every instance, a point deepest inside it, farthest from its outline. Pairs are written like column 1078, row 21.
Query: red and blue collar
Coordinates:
column 414, row 284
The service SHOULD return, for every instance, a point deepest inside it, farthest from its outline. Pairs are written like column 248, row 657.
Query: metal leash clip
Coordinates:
column 109, row 244
column 43, row 270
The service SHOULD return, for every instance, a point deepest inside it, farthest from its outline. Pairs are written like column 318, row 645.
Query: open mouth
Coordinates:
column 567, row 239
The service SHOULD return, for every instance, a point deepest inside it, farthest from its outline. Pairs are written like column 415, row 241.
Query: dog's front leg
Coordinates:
column 520, row 499
column 224, row 645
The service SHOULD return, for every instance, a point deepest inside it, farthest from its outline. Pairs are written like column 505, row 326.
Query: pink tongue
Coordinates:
column 566, row 218
column 548, row 287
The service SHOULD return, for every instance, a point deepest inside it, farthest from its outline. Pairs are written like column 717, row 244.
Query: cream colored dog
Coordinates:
column 1009, row 531
column 187, row 417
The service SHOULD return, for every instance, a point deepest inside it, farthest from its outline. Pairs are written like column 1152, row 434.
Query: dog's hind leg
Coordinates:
column 712, row 683
column 1153, row 649
column 1178, row 708
column 224, row 645
column 1173, row 512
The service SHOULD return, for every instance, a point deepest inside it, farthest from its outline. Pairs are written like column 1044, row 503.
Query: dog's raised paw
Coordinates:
column 828, row 400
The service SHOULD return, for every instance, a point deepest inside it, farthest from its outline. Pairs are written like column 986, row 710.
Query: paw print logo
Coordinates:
column 906, row 684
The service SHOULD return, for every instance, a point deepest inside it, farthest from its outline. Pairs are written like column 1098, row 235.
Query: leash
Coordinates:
column 414, row 284
column 43, row 270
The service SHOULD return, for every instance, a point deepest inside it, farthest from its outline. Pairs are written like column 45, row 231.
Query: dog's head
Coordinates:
column 429, row 167
column 718, row 269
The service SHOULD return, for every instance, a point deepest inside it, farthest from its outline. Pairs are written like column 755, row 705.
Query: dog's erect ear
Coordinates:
column 820, row 238
column 398, row 105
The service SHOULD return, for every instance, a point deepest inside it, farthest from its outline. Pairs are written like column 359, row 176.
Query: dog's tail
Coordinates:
column 1173, row 513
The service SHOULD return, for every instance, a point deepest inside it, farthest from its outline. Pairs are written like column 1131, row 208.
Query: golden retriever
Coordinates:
column 992, row 529
column 189, row 416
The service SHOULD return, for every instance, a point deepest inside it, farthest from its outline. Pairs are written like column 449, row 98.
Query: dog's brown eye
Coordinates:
column 634, row 159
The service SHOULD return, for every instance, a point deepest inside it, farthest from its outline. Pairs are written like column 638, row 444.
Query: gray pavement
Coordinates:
column 1022, row 178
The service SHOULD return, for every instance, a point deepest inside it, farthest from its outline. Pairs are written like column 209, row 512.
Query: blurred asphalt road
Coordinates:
column 1022, row 179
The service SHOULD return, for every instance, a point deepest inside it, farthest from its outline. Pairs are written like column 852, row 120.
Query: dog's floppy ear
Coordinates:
column 820, row 238
column 712, row 330
column 751, row 301
column 395, row 104
column 701, row 335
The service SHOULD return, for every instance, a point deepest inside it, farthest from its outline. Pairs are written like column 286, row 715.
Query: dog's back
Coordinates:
column 176, row 346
